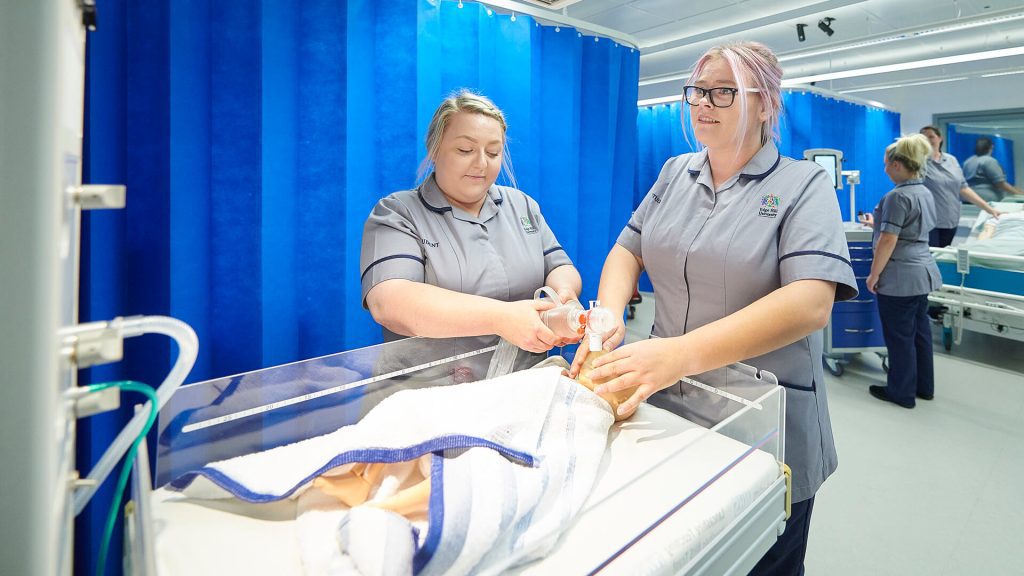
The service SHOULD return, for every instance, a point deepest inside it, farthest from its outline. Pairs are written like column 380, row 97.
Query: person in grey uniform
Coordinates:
column 460, row 255
column 746, row 252
column 985, row 175
column 903, row 272
column 947, row 184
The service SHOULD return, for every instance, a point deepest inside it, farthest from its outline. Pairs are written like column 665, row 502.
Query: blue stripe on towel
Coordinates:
column 366, row 455
column 436, row 525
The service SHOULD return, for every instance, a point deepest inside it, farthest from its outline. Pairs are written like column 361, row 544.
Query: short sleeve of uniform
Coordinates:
column 391, row 246
column 630, row 236
column 812, row 243
column 895, row 211
column 992, row 170
column 554, row 254
column 953, row 165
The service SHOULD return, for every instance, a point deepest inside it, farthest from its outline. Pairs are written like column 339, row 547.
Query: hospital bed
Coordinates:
column 983, row 281
column 698, row 493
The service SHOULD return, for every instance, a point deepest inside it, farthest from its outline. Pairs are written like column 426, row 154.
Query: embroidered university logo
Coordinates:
column 528, row 226
column 769, row 206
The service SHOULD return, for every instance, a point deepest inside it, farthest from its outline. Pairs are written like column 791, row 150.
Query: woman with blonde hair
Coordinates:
column 903, row 272
column 460, row 255
column 746, row 252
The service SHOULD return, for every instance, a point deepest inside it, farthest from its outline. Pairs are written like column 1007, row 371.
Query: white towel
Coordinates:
column 514, row 460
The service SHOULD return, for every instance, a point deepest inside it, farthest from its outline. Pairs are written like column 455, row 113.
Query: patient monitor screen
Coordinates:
column 830, row 163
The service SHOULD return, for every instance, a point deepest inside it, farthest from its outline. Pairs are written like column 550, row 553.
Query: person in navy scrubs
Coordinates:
column 903, row 272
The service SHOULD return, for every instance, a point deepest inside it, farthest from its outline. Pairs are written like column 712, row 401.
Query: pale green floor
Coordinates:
column 936, row 490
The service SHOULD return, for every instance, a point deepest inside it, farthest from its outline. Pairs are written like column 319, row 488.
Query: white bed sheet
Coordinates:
column 637, row 484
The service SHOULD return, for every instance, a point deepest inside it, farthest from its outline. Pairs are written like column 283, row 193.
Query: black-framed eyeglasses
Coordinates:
column 721, row 97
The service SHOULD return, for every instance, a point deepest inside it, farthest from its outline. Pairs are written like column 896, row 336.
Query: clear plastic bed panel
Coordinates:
column 659, row 465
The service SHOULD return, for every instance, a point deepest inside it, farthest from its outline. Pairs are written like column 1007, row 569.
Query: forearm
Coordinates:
column 971, row 196
column 883, row 251
column 776, row 320
column 618, row 279
column 563, row 278
column 417, row 309
column 1009, row 188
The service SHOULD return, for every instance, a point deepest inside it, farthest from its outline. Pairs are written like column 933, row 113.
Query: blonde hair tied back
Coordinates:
column 911, row 151
column 463, row 100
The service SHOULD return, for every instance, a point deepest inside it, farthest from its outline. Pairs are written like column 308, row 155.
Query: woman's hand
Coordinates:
column 611, row 341
column 867, row 219
column 519, row 322
column 650, row 365
column 566, row 294
column 872, row 283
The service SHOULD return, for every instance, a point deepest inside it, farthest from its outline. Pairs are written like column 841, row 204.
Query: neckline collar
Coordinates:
column 433, row 199
column 763, row 163
column 910, row 182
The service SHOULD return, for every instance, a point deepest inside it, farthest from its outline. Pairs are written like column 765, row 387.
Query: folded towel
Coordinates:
column 514, row 459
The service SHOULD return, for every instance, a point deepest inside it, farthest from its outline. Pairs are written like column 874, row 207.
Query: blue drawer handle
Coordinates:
column 862, row 301
column 854, row 331
column 860, row 259
column 860, row 247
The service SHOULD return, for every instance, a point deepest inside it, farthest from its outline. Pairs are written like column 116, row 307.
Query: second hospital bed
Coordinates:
column 983, row 280
column 701, row 493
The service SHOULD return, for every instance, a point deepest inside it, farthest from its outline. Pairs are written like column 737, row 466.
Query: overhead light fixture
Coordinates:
column 917, row 64
column 902, row 85
column 907, row 34
column 800, row 32
column 826, row 25
column 661, row 100
column 1007, row 73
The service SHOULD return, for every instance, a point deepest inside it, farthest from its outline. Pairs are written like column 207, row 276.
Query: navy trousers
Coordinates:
column 786, row 556
column 941, row 237
column 908, row 336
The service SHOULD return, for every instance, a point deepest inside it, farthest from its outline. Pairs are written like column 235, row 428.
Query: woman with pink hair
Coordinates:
column 746, row 252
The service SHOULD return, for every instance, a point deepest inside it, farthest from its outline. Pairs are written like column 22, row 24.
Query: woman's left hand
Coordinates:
column 872, row 283
column 650, row 365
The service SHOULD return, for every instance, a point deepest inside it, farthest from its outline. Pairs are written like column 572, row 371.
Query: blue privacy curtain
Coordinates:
column 961, row 145
column 255, row 137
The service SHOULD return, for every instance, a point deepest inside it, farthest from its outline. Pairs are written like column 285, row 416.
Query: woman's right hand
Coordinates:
column 519, row 322
column 867, row 219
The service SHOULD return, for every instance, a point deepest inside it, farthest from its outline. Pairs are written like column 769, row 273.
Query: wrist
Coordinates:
column 688, row 356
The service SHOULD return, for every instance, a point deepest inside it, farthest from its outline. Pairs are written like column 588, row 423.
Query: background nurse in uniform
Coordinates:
column 459, row 255
column 985, row 175
column 903, row 272
column 746, row 252
column 947, row 184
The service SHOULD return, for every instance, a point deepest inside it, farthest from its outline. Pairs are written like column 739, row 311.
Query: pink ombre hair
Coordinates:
column 755, row 66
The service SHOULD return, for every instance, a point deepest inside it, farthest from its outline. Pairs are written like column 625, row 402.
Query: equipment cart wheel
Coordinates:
column 947, row 338
column 833, row 365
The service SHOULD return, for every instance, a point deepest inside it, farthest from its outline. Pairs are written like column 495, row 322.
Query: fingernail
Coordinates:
column 621, row 410
column 600, row 390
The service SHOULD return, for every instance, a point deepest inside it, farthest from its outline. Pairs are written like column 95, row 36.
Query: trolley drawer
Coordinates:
column 856, row 329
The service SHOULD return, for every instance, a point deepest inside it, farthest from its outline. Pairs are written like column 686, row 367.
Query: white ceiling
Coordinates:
column 672, row 34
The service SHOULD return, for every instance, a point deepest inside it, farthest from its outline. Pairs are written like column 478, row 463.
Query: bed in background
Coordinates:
column 983, row 279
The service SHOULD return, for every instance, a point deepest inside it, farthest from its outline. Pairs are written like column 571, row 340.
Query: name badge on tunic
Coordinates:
column 769, row 206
